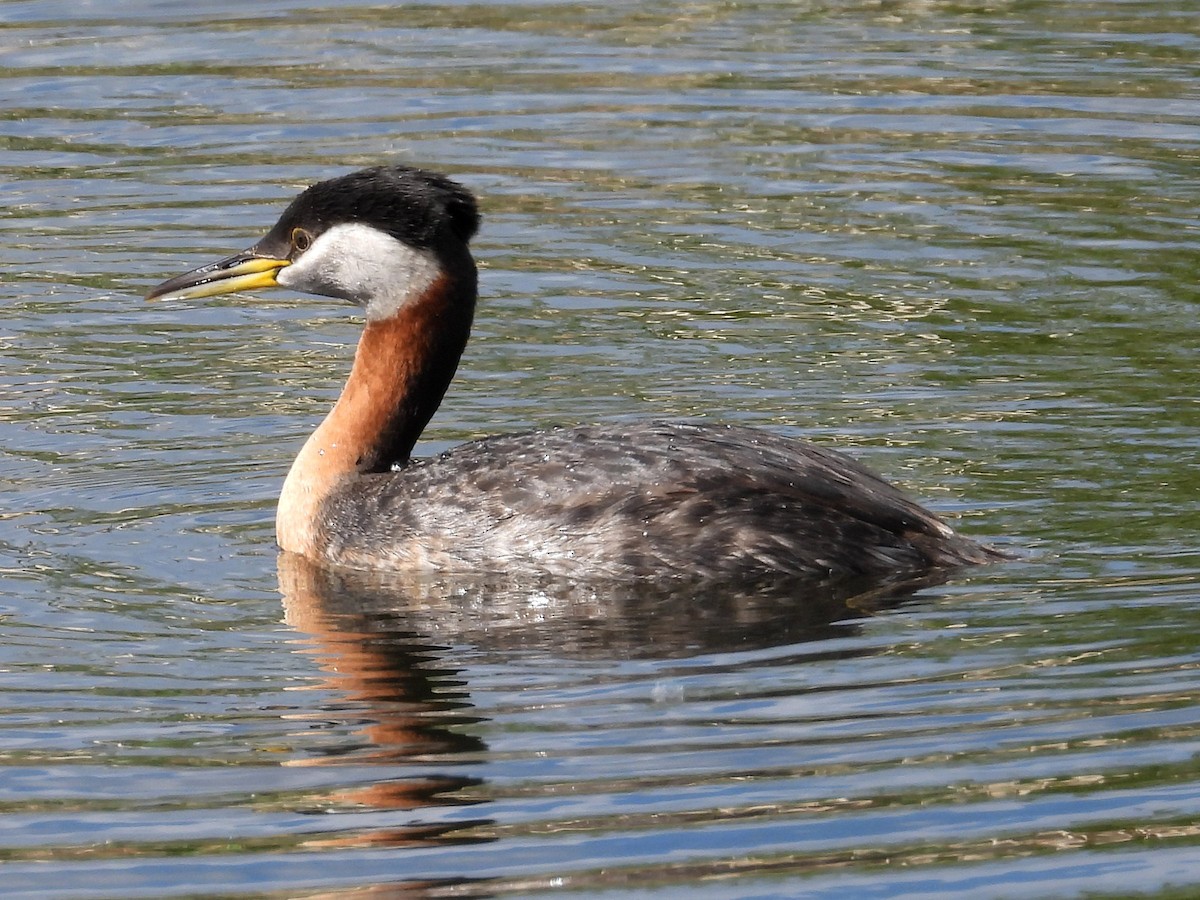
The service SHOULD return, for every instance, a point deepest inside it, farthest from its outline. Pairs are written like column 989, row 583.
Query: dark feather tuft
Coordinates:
column 420, row 208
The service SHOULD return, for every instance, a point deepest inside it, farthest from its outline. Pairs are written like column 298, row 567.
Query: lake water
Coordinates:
column 960, row 241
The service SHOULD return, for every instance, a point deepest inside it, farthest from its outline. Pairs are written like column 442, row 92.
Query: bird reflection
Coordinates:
column 383, row 646
column 599, row 620
column 405, row 704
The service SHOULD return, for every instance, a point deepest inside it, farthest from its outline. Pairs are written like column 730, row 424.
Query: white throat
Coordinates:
column 365, row 265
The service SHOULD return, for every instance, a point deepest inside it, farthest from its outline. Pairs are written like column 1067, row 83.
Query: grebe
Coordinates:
column 655, row 499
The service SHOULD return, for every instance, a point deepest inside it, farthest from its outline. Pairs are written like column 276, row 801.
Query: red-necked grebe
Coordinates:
column 655, row 499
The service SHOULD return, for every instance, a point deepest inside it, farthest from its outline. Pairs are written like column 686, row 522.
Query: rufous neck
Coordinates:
column 402, row 367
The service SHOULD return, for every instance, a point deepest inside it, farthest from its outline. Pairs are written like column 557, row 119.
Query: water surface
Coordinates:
column 958, row 242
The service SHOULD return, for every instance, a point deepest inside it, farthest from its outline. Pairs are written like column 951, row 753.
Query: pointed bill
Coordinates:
column 240, row 272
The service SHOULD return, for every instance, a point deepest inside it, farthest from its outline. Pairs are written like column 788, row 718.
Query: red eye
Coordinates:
column 301, row 239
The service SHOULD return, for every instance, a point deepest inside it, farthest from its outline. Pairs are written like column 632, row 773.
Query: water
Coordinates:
column 960, row 242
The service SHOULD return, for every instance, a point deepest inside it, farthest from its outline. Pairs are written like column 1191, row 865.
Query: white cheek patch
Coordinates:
column 365, row 265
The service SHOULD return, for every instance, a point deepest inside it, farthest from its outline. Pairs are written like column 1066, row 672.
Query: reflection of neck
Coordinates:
column 402, row 368
column 396, row 697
